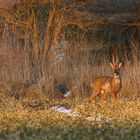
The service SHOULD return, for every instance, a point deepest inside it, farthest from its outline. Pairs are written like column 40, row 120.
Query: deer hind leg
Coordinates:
column 93, row 95
column 102, row 96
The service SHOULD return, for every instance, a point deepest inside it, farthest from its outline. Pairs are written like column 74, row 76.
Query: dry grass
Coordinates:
column 20, row 120
column 74, row 70
column 29, row 50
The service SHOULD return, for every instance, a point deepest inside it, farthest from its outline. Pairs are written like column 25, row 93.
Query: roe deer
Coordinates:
column 104, row 85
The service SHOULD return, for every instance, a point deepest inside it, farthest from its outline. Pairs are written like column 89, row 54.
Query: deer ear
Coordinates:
column 112, row 66
column 120, row 65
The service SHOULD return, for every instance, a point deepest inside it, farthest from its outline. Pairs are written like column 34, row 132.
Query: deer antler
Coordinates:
column 117, row 59
column 113, row 60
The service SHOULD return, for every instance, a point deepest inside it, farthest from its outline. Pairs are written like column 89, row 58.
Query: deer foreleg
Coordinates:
column 93, row 95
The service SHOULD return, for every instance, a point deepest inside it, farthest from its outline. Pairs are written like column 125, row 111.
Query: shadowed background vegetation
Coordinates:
column 60, row 46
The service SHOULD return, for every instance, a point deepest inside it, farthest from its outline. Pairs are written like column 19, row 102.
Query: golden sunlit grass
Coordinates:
column 26, row 119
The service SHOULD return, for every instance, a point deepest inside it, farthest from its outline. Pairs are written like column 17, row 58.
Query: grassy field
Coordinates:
column 35, row 120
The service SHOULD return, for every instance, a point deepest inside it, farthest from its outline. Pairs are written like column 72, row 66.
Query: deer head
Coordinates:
column 115, row 66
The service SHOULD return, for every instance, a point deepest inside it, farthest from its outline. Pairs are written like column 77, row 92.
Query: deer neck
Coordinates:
column 117, row 78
